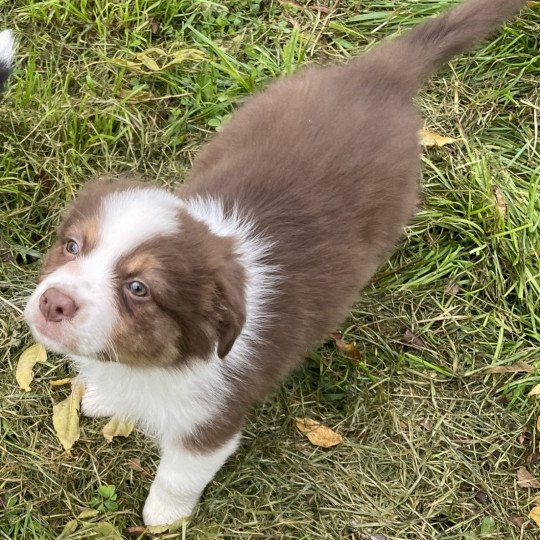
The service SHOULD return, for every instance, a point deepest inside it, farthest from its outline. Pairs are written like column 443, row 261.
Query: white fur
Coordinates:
column 127, row 219
column 6, row 48
column 167, row 403
column 181, row 478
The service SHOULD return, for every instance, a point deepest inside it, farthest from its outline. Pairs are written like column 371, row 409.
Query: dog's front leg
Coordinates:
column 181, row 478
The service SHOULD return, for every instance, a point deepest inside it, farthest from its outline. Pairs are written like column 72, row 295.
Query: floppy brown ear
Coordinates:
column 230, row 308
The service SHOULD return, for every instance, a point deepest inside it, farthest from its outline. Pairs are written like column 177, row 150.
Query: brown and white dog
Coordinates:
column 182, row 310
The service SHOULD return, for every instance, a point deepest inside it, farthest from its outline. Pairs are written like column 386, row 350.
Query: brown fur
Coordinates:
column 326, row 163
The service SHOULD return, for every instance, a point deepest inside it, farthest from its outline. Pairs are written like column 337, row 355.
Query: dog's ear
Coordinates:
column 230, row 307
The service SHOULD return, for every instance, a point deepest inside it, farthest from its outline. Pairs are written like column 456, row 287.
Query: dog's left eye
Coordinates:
column 137, row 288
column 72, row 247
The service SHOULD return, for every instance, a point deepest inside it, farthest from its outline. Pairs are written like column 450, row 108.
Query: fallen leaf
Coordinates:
column 173, row 527
column 534, row 514
column 533, row 458
column 28, row 359
column 116, row 427
column 499, row 200
column 410, row 338
column 60, row 382
column 69, row 529
column 481, row 497
column 89, row 513
column 154, row 26
column 533, row 3
column 66, row 417
column 349, row 349
column 535, row 391
column 526, row 480
column 430, row 138
column 102, row 531
column 148, row 62
column 135, row 464
column 518, row 521
column 321, row 9
column 524, row 438
column 318, row 434
column 538, row 423
column 518, row 367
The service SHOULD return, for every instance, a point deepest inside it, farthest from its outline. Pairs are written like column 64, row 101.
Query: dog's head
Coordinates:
column 134, row 278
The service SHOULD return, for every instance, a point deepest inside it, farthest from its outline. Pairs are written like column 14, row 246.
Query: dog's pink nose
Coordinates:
column 56, row 306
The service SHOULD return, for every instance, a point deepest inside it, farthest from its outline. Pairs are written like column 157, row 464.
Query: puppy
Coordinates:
column 182, row 310
column 6, row 56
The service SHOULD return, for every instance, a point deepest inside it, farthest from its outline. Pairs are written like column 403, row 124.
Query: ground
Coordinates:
column 432, row 440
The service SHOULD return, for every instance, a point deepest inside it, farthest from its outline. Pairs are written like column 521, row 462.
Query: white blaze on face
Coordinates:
column 126, row 219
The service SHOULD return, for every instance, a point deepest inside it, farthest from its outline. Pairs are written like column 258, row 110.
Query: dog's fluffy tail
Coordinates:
column 416, row 55
column 6, row 55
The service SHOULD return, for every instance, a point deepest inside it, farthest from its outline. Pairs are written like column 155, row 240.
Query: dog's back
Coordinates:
column 327, row 162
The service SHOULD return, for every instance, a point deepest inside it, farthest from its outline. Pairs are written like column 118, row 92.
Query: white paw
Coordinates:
column 162, row 507
column 94, row 405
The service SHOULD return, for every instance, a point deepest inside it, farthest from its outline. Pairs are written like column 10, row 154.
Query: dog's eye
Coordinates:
column 137, row 288
column 72, row 247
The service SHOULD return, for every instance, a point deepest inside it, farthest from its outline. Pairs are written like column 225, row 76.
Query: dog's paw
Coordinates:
column 94, row 405
column 164, row 508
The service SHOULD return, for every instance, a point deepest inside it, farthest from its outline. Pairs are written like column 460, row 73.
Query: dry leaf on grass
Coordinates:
column 518, row 367
column 60, row 382
column 526, row 480
column 518, row 521
column 410, row 338
column 317, row 434
column 535, row 391
column 534, row 514
column 499, row 200
column 28, row 359
column 135, row 464
column 349, row 349
column 89, row 513
column 116, row 427
column 66, row 417
column 430, row 138
column 538, row 423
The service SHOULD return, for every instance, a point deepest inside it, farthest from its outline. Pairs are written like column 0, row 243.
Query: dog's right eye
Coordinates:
column 72, row 247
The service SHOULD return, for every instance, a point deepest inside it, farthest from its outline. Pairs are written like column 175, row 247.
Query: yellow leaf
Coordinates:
column 148, row 62
column 535, row 391
column 28, row 359
column 534, row 514
column 60, row 382
column 430, row 138
column 88, row 514
column 66, row 417
column 116, row 427
column 526, row 480
column 538, row 424
column 183, row 56
column 317, row 434
column 349, row 349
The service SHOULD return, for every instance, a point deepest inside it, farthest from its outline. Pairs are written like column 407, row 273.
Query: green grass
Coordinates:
column 425, row 427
